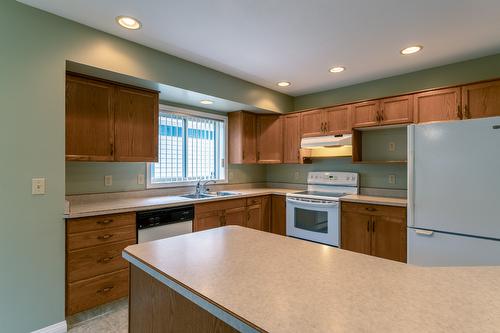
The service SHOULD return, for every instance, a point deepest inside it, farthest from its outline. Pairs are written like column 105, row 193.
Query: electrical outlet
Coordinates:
column 140, row 179
column 392, row 146
column 108, row 180
column 38, row 186
column 296, row 175
column 392, row 179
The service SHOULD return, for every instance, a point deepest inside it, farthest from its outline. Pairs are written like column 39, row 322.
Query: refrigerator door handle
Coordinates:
column 410, row 178
column 496, row 126
column 424, row 232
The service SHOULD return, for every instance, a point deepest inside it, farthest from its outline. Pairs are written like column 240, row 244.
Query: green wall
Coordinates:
column 453, row 74
column 35, row 48
column 88, row 177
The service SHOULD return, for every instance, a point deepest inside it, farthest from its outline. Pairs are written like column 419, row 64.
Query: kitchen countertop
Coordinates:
column 102, row 206
column 368, row 199
column 307, row 287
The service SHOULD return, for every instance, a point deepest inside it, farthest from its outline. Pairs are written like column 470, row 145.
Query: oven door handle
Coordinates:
column 312, row 203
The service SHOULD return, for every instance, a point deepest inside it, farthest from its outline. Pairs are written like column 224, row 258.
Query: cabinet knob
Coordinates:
column 105, row 290
column 467, row 112
column 459, row 112
column 105, row 260
column 104, row 222
column 371, row 209
column 104, row 237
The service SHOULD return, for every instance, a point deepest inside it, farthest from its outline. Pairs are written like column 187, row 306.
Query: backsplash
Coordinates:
column 88, row 177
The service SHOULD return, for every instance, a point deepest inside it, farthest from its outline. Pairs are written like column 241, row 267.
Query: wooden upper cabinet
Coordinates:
column 481, row 100
column 89, row 120
column 312, row 123
column 396, row 110
column 388, row 237
column 136, row 125
column 291, row 138
column 242, row 137
column 338, row 120
column 365, row 114
column 269, row 139
column 437, row 105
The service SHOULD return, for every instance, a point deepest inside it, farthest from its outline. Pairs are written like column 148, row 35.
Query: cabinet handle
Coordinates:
column 104, row 222
column 112, row 148
column 373, row 226
column 222, row 220
column 322, row 130
column 104, row 237
column 368, row 226
column 467, row 112
column 460, row 115
column 381, row 114
column 371, row 209
column 105, row 260
column 243, row 155
column 105, row 290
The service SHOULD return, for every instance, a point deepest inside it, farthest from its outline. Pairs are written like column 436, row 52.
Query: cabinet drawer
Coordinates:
column 99, row 222
column 254, row 201
column 374, row 209
column 86, row 263
column 100, row 237
column 219, row 205
column 99, row 290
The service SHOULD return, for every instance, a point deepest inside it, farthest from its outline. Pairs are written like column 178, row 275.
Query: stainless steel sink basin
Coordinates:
column 226, row 193
column 197, row 196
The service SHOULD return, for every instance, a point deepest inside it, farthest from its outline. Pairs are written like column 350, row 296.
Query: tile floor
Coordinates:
column 115, row 321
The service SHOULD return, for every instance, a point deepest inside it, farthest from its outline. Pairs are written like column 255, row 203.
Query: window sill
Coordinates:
column 183, row 184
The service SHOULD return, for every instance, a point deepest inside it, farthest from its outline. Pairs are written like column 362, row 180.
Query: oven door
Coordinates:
column 314, row 220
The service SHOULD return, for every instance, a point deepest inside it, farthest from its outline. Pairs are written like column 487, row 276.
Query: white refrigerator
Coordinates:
column 454, row 193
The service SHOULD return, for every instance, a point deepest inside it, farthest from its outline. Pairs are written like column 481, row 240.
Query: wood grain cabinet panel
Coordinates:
column 100, row 237
column 312, row 123
column 355, row 232
column 136, row 125
column 437, row 105
column 481, row 100
column 89, row 120
column 254, row 217
column 278, row 215
column 388, row 237
column 269, row 139
column 338, row 120
column 365, row 114
column 207, row 220
column 242, row 137
column 235, row 216
column 99, row 222
column 291, row 138
column 396, row 110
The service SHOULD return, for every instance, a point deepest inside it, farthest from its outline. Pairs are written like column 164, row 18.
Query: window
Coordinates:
column 191, row 147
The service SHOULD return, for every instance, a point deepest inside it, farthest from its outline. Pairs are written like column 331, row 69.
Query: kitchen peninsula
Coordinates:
column 217, row 280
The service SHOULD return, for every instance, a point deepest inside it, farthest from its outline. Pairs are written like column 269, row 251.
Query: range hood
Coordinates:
column 326, row 141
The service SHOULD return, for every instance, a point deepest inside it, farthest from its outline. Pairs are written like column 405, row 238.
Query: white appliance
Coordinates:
column 326, row 141
column 454, row 193
column 164, row 223
column 314, row 214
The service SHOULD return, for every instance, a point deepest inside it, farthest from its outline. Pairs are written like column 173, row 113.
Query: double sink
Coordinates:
column 209, row 195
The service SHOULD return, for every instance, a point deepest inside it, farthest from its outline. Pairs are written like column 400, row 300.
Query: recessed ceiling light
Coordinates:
column 337, row 69
column 411, row 49
column 283, row 84
column 128, row 22
column 206, row 102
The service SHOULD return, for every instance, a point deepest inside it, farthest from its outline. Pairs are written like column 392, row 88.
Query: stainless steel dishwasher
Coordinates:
column 164, row 223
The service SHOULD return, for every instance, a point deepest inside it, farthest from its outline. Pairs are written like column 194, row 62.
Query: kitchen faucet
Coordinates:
column 201, row 188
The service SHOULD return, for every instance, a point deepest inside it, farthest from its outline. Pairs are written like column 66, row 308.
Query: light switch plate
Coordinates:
column 392, row 179
column 108, row 180
column 38, row 186
column 392, row 146
column 140, row 179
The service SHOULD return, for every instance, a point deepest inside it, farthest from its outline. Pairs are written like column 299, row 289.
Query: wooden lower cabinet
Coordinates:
column 96, row 273
column 278, row 215
column 374, row 229
column 235, row 216
column 208, row 220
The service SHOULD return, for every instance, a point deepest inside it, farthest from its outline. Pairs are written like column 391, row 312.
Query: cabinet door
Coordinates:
column 396, row 110
column 89, row 120
column 242, row 140
column 208, row 220
column 365, row 114
column 266, row 213
column 355, row 232
column 136, row 125
column 291, row 138
column 437, row 105
column 338, row 120
column 481, row 100
column 278, row 214
column 234, row 216
column 312, row 123
column 254, row 217
column 269, row 139
column 388, row 237
column 249, row 150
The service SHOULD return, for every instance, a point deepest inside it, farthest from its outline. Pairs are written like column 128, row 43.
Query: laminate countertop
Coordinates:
column 375, row 200
column 103, row 206
column 273, row 283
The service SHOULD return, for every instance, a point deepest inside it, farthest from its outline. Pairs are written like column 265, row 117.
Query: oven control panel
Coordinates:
column 333, row 178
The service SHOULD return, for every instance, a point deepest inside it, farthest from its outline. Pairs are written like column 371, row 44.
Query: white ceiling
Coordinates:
column 266, row 41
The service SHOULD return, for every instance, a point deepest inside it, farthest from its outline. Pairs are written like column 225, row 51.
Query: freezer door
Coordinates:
column 428, row 248
column 454, row 177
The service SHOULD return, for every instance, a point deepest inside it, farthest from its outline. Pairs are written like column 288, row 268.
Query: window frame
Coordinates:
column 192, row 113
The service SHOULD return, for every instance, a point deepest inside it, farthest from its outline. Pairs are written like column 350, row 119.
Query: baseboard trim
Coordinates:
column 56, row 328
